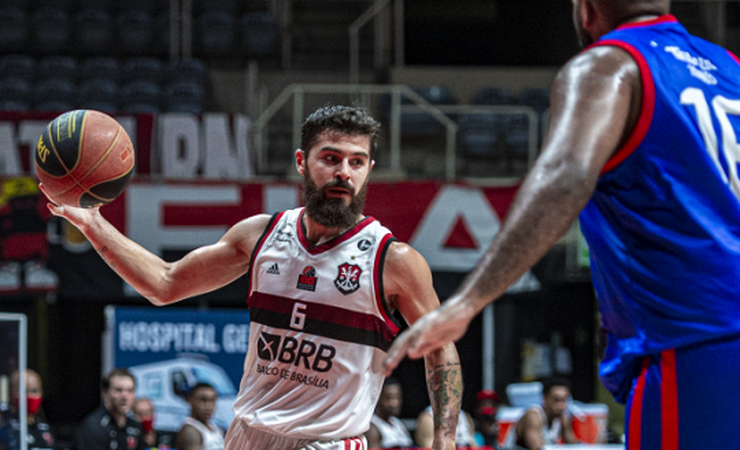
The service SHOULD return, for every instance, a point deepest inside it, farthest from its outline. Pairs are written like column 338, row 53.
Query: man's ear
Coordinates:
column 589, row 15
column 300, row 161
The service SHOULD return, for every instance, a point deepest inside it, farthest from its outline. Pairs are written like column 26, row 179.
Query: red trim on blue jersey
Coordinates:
column 668, row 18
column 646, row 111
column 668, row 400
column 260, row 243
column 635, row 424
column 316, row 249
column 733, row 56
column 378, row 282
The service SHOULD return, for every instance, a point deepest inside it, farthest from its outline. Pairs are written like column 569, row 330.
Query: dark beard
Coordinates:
column 332, row 212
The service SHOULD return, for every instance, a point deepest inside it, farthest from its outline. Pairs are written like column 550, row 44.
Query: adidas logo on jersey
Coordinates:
column 273, row 269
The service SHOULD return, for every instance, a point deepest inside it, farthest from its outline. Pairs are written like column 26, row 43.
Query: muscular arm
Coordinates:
column 188, row 438
column 202, row 270
column 408, row 286
column 529, row 431
column 374, row 439
column 594, row 107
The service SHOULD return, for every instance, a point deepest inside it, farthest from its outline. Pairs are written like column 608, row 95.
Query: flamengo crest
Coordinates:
column 348, row 278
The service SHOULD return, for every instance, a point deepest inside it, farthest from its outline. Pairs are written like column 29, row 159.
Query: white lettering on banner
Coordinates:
column 145, row 221
column 163, row 337
column 180, row 145
column 235, row 338
column 213, row 149
column 10, row 163
column 226, row 156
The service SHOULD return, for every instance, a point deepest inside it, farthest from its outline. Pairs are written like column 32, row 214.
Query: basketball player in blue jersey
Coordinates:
column 324, row 282
column 643, row 144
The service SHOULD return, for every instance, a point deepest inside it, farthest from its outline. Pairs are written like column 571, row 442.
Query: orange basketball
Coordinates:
column 84, row 158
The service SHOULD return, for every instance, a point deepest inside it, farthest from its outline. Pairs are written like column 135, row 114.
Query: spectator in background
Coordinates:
column 109, row 427
column 486, row 427
column 144, row 413
column 40, row 435
column 548, row 423
column 197, row 431
column 386, row 429
column 464, row 436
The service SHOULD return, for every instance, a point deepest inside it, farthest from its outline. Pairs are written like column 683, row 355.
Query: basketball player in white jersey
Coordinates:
column 197, row 431
column 324, row 282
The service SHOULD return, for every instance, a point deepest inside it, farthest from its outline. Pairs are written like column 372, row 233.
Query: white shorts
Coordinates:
column 242, row 437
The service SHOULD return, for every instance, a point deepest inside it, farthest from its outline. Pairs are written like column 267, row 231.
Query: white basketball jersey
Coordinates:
column 393, row 433
column 213, row 436
column 319, row 331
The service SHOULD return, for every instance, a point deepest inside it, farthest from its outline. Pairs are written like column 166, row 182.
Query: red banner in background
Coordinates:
column 450, row 224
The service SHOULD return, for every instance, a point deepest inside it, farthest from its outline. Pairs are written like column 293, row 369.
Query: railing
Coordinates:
column 297, row 93
column 354, row 36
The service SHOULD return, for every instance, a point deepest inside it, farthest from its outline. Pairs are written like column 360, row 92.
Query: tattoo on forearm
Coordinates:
column 444, row 382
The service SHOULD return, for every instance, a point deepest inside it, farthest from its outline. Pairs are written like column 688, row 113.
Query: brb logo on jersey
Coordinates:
column 348, row 278
column 288, row 350
column 307, row 279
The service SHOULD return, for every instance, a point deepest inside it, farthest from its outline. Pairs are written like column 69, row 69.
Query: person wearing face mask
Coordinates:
column 143, row 412
column 40, row 434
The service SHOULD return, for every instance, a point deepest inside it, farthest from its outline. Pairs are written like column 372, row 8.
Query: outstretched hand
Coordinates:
column 77, row 216
column 433, row 331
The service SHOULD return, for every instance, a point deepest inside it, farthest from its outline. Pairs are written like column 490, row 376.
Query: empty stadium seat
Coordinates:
column 134, row 32
column 215, row 34
column 537, row 98
column 50, row 30
column 54, row 94
column 423, row 123
column 93, row 31
column 99, row 68
column 184, row 97
column 18, row 66
column 98, row 94
column 15, row 94
column 259, row 36
column 143, row 68
column 57, row 66
column 229, row 6
column 478, row 135
column 192, row 70
column 517, row 135
column 140, row 97
column 493, row 96
column 13, row 29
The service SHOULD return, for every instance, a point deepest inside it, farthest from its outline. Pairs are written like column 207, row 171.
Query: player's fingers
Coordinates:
column 397, row 352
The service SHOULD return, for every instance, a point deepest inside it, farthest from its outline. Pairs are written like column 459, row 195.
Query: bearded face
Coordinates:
column 333, row 212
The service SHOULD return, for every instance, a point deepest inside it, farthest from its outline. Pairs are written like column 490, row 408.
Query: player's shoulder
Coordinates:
column 401, row 254
column 599, row 59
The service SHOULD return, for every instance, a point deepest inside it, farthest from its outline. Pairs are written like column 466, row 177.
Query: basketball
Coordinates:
column 84, row 158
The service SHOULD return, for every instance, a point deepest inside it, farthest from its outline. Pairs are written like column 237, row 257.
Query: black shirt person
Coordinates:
column 109, row 427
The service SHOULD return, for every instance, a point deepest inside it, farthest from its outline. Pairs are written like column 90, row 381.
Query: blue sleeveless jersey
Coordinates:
column 663, row 226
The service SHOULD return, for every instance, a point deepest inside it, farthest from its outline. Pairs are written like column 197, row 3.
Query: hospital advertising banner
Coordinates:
column 169, row 350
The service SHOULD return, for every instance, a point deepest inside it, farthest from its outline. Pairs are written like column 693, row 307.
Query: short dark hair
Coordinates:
column 199, row 385
column 555, row 381
column 391, row 381
column 352, row 120
column 119, row 372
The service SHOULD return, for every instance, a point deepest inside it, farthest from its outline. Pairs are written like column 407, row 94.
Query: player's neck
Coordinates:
column 317, row 234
